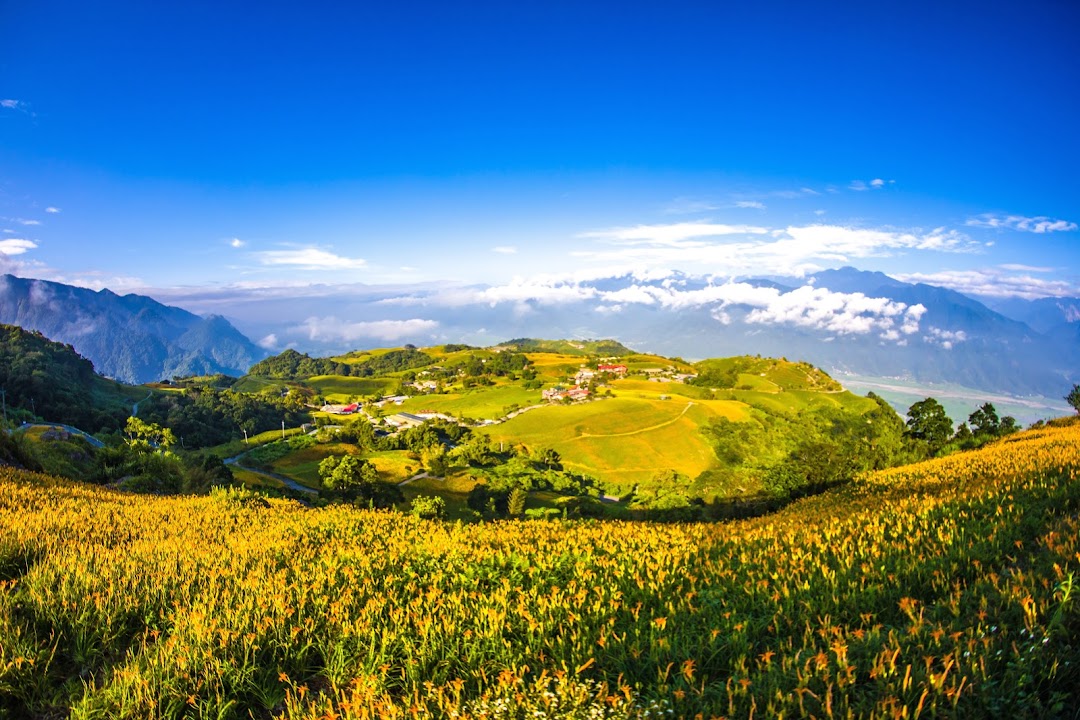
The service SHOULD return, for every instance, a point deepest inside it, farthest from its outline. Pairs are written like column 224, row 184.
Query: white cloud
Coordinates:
column 237, row 243
column 807, row 306
column 17, row 105
column 994, row 282
column 839, row 313
column 331, row 329
column 672, row 234
column 309, row 258
column 52, row 210
column 794, row 194
column 504, row 249
column 817, row 308
column 1017, row 267
column 16, row 246
column 793, row 251
column 862, row 185
column 269, row 342
column 750, row 204
column 688, row 206
column 541, row 291
column 1040, row 224
column 839, row 242
column 945, row 338
column 23, row 221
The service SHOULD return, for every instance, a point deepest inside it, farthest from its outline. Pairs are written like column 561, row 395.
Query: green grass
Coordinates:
column 642, row 361
column 394, row 465
column 303, row 465
column 480, row 403
column 337, row 388
column 236, row 447
column 453, row 489
column 255, row 480
column 622, row 441
column 255, row 385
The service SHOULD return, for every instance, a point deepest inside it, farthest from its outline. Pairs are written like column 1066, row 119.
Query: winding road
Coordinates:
column 286, row 481
column 72, row 430
column 135, row 407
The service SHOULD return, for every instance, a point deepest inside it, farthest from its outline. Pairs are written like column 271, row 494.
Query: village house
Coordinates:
column 614, row 369
column 584, row 375
column 341, row 409
column 558, row 394
column 404, row 420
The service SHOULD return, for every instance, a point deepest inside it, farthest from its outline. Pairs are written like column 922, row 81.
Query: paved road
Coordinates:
column 73, row 430
column 135, row 407
column 286, row 481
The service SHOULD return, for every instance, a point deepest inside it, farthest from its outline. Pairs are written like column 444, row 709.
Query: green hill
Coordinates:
column 49, row 380
column 660, row 429
column 945, row 589
column 568, row 347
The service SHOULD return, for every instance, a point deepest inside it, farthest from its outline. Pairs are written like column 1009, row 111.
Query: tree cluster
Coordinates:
column 205, row 416
column 353, row 479
column 42, row 378
column 930, row 433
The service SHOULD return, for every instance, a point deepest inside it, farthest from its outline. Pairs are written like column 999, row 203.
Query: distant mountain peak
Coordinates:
column 132, row 338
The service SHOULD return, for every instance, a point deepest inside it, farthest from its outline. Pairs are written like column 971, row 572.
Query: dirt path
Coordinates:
column 642, row 430
column 417, row 476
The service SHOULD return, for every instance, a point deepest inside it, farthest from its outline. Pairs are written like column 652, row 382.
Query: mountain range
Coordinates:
column 847, row 321
column 131, row 338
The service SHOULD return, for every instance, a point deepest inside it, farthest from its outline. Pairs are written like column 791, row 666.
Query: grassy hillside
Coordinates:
column 650, row 426
column 941, row 589
column 49, row 380
column 648, row 430
column 577, row 348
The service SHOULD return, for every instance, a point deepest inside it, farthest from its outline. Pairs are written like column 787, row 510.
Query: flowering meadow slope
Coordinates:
column 943, row 588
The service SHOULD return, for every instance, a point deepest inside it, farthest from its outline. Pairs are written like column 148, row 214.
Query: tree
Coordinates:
column 549, row 458
column 515, row 506
column 349, row 477
column 885, row 430
column 984, row 421
column 928, row 423
column 430, row 507
column 434, row 459
column 1073, row 398
column 150, row 433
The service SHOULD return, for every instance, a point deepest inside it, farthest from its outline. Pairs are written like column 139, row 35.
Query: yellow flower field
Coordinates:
column 945, row 588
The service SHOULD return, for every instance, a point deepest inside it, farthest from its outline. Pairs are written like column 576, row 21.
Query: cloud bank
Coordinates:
column 1040, row 224
column 309, row 258
column 332, row 329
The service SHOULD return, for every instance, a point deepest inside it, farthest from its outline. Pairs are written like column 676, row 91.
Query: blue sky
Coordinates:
column 172, row 150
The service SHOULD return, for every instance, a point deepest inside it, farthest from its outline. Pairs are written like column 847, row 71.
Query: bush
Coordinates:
column 429, row 507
